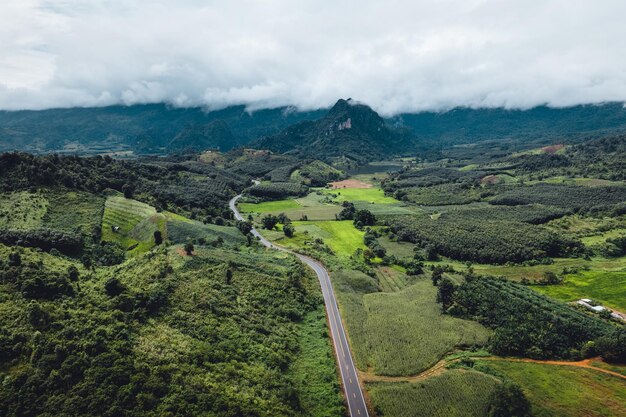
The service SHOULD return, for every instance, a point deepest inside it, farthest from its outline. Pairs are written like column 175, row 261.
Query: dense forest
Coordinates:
column 212, row 334
column 186, row 185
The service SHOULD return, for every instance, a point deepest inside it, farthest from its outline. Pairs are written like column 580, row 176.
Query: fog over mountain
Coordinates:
column 397, row 55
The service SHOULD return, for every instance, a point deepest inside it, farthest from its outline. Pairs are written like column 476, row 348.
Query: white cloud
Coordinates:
column 397, row 55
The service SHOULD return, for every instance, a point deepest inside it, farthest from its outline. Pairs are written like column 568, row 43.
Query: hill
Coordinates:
column 349, row 130
column 148, row 128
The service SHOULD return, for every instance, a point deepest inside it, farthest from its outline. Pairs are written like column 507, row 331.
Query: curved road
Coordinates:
column 352, row 389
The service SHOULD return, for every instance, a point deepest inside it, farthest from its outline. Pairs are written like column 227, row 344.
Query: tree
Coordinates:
column 289, row 230
column 365, row 217
column 347, row 212
column 269, row 221
column 113, row 287
column 431, row 253
column 283, row 219
column 509, row 401
column 612, row 347
column 127, row 189
column 437, row 275
column 15, row 259
column 158, row 237
column 189, row 248
column 445, row 293
column 244, row 227
column 72, row 273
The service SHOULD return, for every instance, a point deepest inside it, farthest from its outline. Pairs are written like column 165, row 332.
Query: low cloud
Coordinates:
column 394, row 55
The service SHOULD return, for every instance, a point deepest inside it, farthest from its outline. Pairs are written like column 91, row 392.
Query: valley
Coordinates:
column 440, row 284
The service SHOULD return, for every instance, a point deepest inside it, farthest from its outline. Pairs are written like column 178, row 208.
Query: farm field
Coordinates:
column 69, row 210
column 136, row 221
column 181, row 229
column 608, row 288
column 454, row 393
column 310, row 206
column 371, row 195
column 269, row 206
column 566, row 391
column 341, row 236
column 399, row 333
column 22, row 210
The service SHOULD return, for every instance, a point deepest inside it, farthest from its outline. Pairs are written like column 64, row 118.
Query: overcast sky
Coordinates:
column 396, row 55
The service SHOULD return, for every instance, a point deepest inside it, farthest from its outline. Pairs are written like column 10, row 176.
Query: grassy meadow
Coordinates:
column 609, row 288
column 556, row 391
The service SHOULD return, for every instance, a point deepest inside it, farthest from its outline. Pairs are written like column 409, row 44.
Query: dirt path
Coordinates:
column 440, row 367
column 586, row 363
column 436, row 369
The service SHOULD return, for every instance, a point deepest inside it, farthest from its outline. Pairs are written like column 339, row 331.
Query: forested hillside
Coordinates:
column 117, row 302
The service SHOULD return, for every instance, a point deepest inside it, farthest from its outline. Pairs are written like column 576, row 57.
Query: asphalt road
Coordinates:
column 350, row 380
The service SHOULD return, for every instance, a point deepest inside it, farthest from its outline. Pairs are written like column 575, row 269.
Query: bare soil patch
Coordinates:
column 350, row 184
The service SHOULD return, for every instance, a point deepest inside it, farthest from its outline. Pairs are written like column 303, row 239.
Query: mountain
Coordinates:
column 146, row 128
column 349, row 130
column 213, row 135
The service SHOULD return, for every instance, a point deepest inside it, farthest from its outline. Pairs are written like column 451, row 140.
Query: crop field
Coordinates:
column 454, row 393
column 22, row 210
column 392, row 279
column 406, row 332
column 69, row 210
column 565, row 390
column 371, row 195
column 268, row 206
column 609, row 288
column 399, row 333
column 387, row 209
column 136, row 221
column 181, row 229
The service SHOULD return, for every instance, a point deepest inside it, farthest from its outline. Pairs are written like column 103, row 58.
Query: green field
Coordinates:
column 566, row 391
column 454, row 393
column 371, row 195
column 535, row 272
column 181, row 229
column 69, row 210
column 402, row 250
column 137, row 222
column 268, row 206
column 399, row 333
column 608, row 288
column 601, row 238
column 22, row 210
column 341, row 236
column 310, row 206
